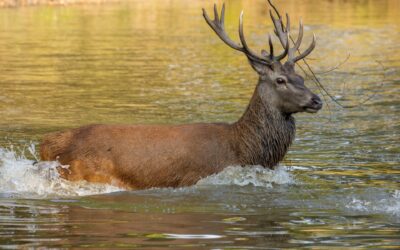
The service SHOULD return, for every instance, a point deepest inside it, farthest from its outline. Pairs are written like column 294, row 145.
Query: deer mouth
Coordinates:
column 312, row 109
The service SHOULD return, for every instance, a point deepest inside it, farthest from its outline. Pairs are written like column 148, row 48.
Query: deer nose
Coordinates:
column 313, row 105
column 315, row 100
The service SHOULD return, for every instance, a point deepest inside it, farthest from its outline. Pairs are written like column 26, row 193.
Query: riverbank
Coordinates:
column 20, row 3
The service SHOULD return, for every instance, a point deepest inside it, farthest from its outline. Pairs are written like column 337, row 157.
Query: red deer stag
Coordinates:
column 145, row 156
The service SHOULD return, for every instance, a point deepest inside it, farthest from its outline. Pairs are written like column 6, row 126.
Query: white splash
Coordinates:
column 387, row 205
column 249, row 175
column 19, row 177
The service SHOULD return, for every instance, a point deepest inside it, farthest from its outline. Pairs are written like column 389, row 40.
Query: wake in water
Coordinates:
column 375, row 201
column 251, row 175
column 20, row 177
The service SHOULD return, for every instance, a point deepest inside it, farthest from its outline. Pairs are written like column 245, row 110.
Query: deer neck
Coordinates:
column 263, row 134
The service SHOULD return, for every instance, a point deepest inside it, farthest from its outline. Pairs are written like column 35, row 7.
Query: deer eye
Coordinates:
column 280, row 80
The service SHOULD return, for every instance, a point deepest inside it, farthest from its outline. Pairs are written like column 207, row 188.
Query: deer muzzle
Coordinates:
column 313, row 105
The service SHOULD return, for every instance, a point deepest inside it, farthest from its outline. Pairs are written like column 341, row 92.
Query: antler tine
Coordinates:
column 287, row 23
column 307, row 51
column 271, row 46
column 280, row 29
column 292, row 51
column 218, row 26
column 241, row 35
column 271, row 49
column 286, row 47
column 300, row 36
column 281, row 34
column 243, row 40
column 216, row 17
column 222, row 13
column 275, row 9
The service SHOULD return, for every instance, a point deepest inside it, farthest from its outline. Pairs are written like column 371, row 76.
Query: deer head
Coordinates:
column 279, row 85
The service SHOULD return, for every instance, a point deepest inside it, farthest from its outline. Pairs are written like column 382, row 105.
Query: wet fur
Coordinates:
column 144, row 156
column 263, row 134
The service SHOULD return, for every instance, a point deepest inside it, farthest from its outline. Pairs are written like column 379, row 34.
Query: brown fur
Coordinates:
column 263, row 134
column 144, row 156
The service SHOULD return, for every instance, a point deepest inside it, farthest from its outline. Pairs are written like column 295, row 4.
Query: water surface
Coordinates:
column 158, row 62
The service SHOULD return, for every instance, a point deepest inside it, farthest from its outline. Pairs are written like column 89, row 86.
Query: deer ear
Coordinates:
column 260, row 68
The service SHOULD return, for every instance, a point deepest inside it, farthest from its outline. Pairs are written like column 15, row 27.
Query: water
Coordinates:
column 158, row 62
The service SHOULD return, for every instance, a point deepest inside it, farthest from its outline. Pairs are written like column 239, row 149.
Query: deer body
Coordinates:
column 144, row 156
column 141, row 156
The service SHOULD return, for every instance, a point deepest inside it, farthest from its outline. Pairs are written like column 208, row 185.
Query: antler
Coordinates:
column 218, row 26
column 280, row 29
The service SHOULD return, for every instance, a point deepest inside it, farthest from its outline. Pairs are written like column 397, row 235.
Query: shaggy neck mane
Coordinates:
column 264, row 134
